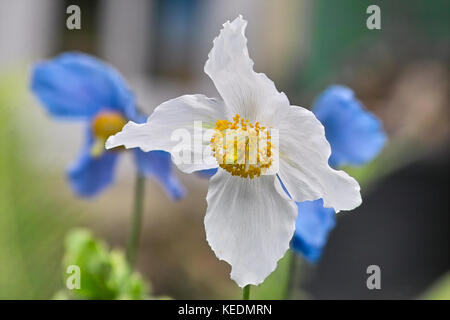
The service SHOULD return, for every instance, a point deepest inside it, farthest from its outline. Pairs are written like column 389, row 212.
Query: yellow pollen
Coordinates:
column 105, row 124
column 242, row 148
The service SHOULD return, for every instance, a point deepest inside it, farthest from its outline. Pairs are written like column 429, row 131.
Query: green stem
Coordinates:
column 135, row 232
column 291, row 278
column 246, row 292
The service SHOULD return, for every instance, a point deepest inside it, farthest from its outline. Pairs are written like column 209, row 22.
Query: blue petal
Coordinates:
column 356, row 136
column 313, row 224
column 208, row 173
column 90, row 175
column 77, row 86
column 158, row 164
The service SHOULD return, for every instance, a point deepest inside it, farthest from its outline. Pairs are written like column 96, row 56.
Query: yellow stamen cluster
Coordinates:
column 242, row 148
column 105, row 124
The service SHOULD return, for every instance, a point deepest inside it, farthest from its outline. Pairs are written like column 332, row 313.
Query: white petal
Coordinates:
column 248, row 224
column 171, row 120
column 250, row 94
column 304, row 169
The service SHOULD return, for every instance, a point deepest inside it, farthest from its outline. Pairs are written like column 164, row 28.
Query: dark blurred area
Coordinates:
column 400, row 73
column 402, row 226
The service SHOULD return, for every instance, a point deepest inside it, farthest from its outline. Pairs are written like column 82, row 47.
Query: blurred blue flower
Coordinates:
column 311, row 228
column 76, row 86
column 356, row 136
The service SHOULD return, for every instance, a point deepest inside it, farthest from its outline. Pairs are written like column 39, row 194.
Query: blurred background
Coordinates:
column 400, row 73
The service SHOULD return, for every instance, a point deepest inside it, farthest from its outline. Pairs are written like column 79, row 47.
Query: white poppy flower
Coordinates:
column 250, row 219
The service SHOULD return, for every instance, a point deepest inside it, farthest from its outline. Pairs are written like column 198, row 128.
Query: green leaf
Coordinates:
column 104, row 274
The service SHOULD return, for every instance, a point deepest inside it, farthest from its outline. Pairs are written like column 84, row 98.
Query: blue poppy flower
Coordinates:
column 356, row 137
column 76, row 86
column 311, row 228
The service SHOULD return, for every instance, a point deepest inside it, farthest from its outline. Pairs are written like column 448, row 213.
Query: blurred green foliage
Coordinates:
column 440, row 290
column 104, row 274
column 32, row 223
column 339, row 28
column 329, row 45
